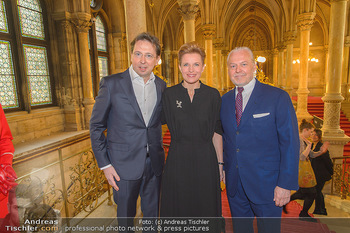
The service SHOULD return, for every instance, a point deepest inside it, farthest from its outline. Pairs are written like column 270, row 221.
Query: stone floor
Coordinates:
column 337, row 220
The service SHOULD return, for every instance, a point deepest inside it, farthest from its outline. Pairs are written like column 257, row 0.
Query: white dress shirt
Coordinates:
column 247, row 92
column 146, row 94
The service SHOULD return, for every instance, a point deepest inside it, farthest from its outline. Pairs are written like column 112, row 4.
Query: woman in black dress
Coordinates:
column 323, row 168
column 194, row 167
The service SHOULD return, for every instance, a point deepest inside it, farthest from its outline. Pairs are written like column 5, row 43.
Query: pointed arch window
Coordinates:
column 98, row 52
column 25, row 79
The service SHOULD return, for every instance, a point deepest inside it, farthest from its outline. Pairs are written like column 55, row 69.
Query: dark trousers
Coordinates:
column 319, row 199
column 243, row 212
column 306, row 194
column 148, row 187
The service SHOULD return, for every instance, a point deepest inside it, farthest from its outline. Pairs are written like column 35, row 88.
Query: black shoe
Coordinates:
column 320, row 212
column 306, row 217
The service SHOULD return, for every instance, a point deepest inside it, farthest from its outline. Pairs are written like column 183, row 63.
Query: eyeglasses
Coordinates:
column 148, row 56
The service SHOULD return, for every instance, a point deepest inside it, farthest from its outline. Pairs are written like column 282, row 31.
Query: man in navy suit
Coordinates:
column 261, row 147
column 131, row 156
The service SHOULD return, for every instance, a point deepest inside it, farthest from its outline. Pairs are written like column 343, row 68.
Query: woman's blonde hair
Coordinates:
column 191, row 47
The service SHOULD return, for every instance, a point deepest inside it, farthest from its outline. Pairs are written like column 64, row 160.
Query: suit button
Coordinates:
column 237, row 150
column 237, row 166
column 237, row 132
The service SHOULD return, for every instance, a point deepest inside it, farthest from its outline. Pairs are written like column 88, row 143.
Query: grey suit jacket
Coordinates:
column 125, row 146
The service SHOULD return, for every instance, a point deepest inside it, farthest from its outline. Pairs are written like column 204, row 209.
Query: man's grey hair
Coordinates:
column 239, row 49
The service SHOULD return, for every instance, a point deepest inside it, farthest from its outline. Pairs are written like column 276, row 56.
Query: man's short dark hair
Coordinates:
column 150, row 38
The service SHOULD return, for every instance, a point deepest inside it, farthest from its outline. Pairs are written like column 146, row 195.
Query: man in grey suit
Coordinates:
column 131, row 156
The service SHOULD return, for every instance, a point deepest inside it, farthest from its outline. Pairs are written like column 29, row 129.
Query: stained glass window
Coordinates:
column 31, row 19
column 3, row 20
column 103, row 66
column 37, row 74
column 8, row 92
column 101, row 35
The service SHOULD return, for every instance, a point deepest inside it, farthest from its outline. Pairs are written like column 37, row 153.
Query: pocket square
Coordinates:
column 261, row 115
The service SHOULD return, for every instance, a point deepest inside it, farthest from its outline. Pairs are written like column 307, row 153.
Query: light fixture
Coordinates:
column 310, row 59
column 261, row 59
column 310, row 43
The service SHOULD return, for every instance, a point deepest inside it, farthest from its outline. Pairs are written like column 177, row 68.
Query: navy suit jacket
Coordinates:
column 263, row 151
column 125, row 147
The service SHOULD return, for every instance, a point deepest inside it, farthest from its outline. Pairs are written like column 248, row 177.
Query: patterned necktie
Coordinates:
column 239, row 105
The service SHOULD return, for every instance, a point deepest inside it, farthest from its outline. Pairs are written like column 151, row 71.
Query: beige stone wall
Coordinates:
column 38, row 123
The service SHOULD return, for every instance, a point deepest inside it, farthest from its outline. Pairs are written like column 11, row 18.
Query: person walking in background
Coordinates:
column 194, row 166
column 307, row 180
column 323, row 169
column 129, row 105
column 261, row 146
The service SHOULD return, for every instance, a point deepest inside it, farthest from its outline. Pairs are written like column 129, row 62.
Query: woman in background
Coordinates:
column 323, row 168
column 307, row 189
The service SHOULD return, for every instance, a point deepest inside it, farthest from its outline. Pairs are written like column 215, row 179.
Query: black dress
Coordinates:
column 191, row 181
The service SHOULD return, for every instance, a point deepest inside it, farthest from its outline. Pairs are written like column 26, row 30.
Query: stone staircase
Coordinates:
column 316, row 108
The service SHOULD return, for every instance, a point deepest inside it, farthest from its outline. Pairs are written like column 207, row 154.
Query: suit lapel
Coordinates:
column 252, row 104
column 232, row 109
column 129, row 91
column 157, row 82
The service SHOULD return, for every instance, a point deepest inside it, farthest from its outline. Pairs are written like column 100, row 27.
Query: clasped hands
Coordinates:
column 7, row 178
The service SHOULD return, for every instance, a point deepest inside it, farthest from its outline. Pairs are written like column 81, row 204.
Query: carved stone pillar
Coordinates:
column 112, row 65
column 326, row 59
column 304, row 23
column 135, row 18
column 120, row 51
column 275, row 67
column 168, row 65
column 70, row 93
column 208, row 31
column 345, row 67
column 227, row 82
column 280, row 77
column 188, row 10
column 83, row 24
column 333, row 98
column 176, row 68
column 219, row 44
column 289, row 38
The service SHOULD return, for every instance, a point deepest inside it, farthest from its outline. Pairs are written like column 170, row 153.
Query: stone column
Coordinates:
column 326, row 62
column 289, row 38
column 188, row 10
column 275, row 67
column 219, row 44
column 168, row 64
column 112, row 65
column 176, row 68
column 83, row 25
column 333, row 98
column 120, row 51
column 304, row 23
column 135, row 19
column 346, row 70
column 281, row 47
column 208, row 31
column 227, row 82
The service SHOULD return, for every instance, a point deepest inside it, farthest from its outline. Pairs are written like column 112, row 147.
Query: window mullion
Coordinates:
column 95, row 59
column 20, row 68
